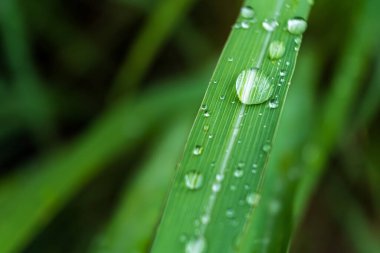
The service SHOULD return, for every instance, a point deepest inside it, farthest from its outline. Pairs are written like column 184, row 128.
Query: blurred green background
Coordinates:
column 89, row 91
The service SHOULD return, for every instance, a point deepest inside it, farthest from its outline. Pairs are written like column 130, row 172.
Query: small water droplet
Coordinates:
column 193, row 180
column 230, row 213
column 247, row 12
column 270, row 25
column 238, row 172
column 216, row 187
column 206, row 114
column 273, row 103
column 197, row 150
column 219, row 177
column 253, row 87
column 253, row 199
column 222, row 97
column 206, row 127
column 267, row 147
column 205, row 219
column 197, row 245
column 282, row 73
column 276, row 50
column 244, row 24
column 203, row 107
column 297, row 25
column 233, row 187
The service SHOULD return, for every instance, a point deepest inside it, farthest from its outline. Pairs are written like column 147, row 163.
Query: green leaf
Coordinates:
column 218, row 183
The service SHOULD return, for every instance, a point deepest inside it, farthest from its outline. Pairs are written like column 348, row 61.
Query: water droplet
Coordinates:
column 219, row 177
column 230, row 213
column 267, row 147
column 197, row 150
column 230, row 59
column 273, row 103
column 197, row 245
column 238, row 172
column 276, row 50
column 206, row 127
column 297, row 25
column 216, row 187
column 203, row 107
column 253, row 199
column 206, row 114
column 193, row 180
column 247, row 12
column 233, row 187
column 205, row 219
column 253, row 87
column 270, row 25
column 282, row 73
column 222, row 97
column 244, row 24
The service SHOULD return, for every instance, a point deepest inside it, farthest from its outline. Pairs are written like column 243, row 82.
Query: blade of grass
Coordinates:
column 35, row 107
column 161, row 22
column 217, row 184
column 31, row 198
column 339, row 103
column 271, row 225
column 134, row 221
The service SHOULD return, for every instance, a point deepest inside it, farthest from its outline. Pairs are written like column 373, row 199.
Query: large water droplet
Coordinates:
column 253, row 87
column 197, row 245
column 270, row 25
column 276, row 50
column 253, row 199
column 197, row 150
column 297, row 25
column 247, row 12
column 193, row 180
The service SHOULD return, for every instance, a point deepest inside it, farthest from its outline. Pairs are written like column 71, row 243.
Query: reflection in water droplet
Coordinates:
column 197, row 245
column 193, row 180
column 253, row 87
column 297, row 25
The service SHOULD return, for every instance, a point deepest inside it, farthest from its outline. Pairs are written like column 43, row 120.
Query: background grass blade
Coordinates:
column 344, row 91
column 161, row 22
column 133, row 224
column 43, row 188
column 227, row 151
